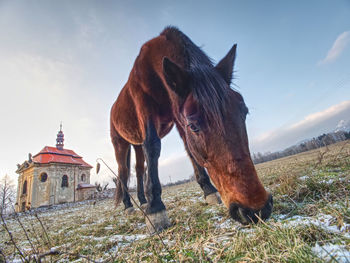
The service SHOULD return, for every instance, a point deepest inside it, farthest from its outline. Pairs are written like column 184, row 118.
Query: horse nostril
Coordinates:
column 246, row 215
column 242, row 216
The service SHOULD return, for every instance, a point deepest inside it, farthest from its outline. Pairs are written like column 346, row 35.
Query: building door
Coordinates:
column 52, row 193
column 52, row 199
column 23, row 208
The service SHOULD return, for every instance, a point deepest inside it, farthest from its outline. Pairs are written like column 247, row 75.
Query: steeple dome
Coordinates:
column 60, row 139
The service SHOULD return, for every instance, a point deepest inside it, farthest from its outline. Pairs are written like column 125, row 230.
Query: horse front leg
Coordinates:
column 155, row 207
column 211, row 195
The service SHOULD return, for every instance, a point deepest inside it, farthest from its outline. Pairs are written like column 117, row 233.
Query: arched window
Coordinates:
column 64, row 181
column 24, row 190
column 83, row 177
column 43, row 177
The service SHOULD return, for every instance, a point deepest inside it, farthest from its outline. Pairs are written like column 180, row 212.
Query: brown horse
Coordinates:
column 173, row 81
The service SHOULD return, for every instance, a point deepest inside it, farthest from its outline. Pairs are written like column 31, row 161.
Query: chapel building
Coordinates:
column 53, row 176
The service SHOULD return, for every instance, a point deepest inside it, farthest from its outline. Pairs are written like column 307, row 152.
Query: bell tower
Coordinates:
column 60, row 139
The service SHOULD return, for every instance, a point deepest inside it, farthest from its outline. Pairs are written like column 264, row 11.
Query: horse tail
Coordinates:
column 120, row 190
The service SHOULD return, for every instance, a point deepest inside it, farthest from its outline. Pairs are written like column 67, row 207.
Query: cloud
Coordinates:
column 175, row 168
column 312, row 125
column 39, row 92
column 318, row 117
column 338, row 47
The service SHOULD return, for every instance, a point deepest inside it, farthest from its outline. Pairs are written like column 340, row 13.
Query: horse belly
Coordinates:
column 130, row 132
column 125, row 120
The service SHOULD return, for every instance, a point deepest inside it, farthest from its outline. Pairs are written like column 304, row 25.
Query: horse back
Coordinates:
column 145, row 95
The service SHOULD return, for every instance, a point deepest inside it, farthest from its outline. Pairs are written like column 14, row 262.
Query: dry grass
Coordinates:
column 311, row 194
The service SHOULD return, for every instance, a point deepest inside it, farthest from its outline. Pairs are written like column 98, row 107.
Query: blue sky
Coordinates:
column 68, row 60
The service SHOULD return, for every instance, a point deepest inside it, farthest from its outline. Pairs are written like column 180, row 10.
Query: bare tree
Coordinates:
column 100, row 187
column 7, row 194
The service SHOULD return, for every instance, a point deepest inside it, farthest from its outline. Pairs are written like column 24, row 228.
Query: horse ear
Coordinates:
column 225, row 66
column 175, row 77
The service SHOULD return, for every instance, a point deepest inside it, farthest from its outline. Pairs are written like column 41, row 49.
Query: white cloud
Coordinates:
column 175, row 168
column 38, row 93
column 312, row 125
column 315, row 118
column 337, row 48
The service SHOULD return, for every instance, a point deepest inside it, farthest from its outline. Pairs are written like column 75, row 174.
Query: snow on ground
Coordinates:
column 323, row 221
column 117, row 238
column 330, row 252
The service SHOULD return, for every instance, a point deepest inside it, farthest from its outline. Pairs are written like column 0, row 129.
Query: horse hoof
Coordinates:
column 213, row 199
column 130, row 211
column 159, row 221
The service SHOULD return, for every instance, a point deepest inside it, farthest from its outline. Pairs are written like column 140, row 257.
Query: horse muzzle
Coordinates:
column 246, row 215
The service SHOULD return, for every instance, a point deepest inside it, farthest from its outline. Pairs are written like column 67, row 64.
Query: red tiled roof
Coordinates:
column 53, row 155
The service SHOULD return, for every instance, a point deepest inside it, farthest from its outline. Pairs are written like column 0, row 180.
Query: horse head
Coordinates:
column 213, row 118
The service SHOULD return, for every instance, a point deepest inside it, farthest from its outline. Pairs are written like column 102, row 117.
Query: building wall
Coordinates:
column 25, row 199
column 51, row 191
column 84, row 194
column 41, row 190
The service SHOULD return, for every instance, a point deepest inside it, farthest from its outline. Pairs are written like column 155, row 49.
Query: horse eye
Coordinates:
column 244, row 109
column 193, row 127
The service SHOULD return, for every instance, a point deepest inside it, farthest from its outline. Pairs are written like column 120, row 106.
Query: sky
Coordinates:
column 68, row 60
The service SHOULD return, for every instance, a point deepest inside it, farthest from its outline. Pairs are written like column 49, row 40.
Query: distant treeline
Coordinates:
column 184, row 181
column 192, row 178
column 314, row 143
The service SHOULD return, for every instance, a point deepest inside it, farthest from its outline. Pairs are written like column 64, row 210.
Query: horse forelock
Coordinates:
column 210, row 91
column 208, row 87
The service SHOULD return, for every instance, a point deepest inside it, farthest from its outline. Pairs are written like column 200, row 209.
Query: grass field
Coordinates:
column 310, row 222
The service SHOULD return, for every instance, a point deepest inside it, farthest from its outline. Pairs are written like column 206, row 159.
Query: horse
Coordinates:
column 173, row 82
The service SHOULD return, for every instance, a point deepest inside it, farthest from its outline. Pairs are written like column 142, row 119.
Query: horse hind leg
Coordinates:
column 122, row 154
column 140, row 171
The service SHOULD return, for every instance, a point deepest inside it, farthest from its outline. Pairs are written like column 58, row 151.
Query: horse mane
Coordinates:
column 208, row 87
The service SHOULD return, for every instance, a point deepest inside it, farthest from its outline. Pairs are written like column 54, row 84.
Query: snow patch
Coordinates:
column 226, row 224
column 303, row 178
column 126, row 238
column 330, row 252
column 329, row 181
column 323, row 221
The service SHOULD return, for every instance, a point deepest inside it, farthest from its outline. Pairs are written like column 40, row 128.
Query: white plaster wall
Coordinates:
column 50, row 192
